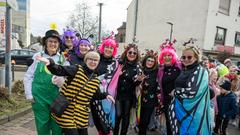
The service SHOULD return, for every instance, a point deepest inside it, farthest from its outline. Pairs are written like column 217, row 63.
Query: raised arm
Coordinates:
column 58, row 69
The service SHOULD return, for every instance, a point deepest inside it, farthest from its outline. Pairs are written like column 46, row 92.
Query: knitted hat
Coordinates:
column 226, row 85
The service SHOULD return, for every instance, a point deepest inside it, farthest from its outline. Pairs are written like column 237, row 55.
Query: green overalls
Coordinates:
column 44, row 92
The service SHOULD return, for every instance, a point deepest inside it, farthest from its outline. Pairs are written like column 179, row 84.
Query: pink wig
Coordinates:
column 168, row 49
column 109, row 42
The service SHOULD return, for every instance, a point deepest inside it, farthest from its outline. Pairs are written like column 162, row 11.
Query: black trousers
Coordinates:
column 145, row 117
column 166, row 112
column 123, row 108
column 75, row 131
column 221, row 123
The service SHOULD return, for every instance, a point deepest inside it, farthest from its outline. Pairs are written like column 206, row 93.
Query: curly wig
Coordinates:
column 168, row 49
column 109, row 42
column 72, row 34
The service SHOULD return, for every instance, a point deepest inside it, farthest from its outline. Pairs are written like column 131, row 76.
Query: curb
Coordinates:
column 5, row 119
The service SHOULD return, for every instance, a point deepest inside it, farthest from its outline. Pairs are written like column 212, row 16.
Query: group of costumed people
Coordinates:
column 103, row 88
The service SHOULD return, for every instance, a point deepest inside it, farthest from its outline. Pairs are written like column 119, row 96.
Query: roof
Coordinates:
column 123, row 26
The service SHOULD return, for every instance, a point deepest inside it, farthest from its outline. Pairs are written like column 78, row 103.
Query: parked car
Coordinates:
column 20, row 56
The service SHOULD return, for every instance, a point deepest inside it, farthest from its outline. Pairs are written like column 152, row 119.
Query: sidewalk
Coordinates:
column 22, row 126
column 25, row 125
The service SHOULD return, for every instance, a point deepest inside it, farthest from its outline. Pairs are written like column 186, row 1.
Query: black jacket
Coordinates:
column 168, row 82
column 149, row 88
column 103, row 64
column 127, row 81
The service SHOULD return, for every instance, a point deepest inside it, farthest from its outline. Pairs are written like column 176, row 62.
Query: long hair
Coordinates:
column 127, row 48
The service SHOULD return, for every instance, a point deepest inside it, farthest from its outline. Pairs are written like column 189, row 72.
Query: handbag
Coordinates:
column 60, row 103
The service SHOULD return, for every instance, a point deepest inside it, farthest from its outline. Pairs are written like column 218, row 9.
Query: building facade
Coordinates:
column 121, row 35
column 215, row 24
column 21, row 22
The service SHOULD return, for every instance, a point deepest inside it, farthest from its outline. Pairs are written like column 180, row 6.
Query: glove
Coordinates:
column 57, row 80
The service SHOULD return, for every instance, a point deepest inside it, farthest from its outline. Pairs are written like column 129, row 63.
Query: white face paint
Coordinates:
column 150, row 62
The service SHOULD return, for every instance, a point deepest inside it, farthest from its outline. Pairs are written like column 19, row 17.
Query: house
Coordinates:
column 120, row 36
column 215, row 24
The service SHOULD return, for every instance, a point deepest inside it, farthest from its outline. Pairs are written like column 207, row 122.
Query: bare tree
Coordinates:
column 83, row 21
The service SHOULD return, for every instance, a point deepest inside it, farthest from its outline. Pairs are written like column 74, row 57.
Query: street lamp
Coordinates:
column 100, row 21
column 171, row 30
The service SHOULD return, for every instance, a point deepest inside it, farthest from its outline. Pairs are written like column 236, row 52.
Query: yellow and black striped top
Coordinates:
column 77, row 113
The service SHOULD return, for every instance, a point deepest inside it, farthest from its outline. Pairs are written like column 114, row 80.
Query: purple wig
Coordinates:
column 72, row 35
column 85, row 42
column 109, row 42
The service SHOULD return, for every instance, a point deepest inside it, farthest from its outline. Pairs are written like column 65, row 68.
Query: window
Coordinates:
column 237, row 38
column 24, row 52
column 22, row 5
column 224, row 6
column 220, row 36
column 14, row 52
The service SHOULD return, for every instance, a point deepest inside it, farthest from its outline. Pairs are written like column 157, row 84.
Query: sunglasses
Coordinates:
column 131, row 52
column 186, row 57
column 69, row 37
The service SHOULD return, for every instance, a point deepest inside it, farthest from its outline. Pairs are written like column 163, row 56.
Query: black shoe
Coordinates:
column 136, row 129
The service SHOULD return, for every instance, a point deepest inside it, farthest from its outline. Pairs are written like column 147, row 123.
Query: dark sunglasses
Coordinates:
column 67, row 37
column 186, row 57
column 131, row 52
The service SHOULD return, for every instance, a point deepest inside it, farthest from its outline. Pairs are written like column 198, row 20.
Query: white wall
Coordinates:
column 231, row 23
column 130, row 22
column 188, row 18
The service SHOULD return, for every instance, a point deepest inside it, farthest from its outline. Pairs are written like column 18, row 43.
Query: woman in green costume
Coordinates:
column 41, row 87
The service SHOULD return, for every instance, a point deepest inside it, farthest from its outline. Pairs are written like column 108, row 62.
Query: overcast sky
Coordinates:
column 44, row 12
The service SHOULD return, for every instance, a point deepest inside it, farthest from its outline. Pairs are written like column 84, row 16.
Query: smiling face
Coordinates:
column 108, row 51
column 84, row 48
column 52, row 45
column 188, row 57
column 92, row 63
column 132, row 54
column 213, row 78
column 68, row 41
column 92, row 60
column 150, row 62
column 167, row 59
